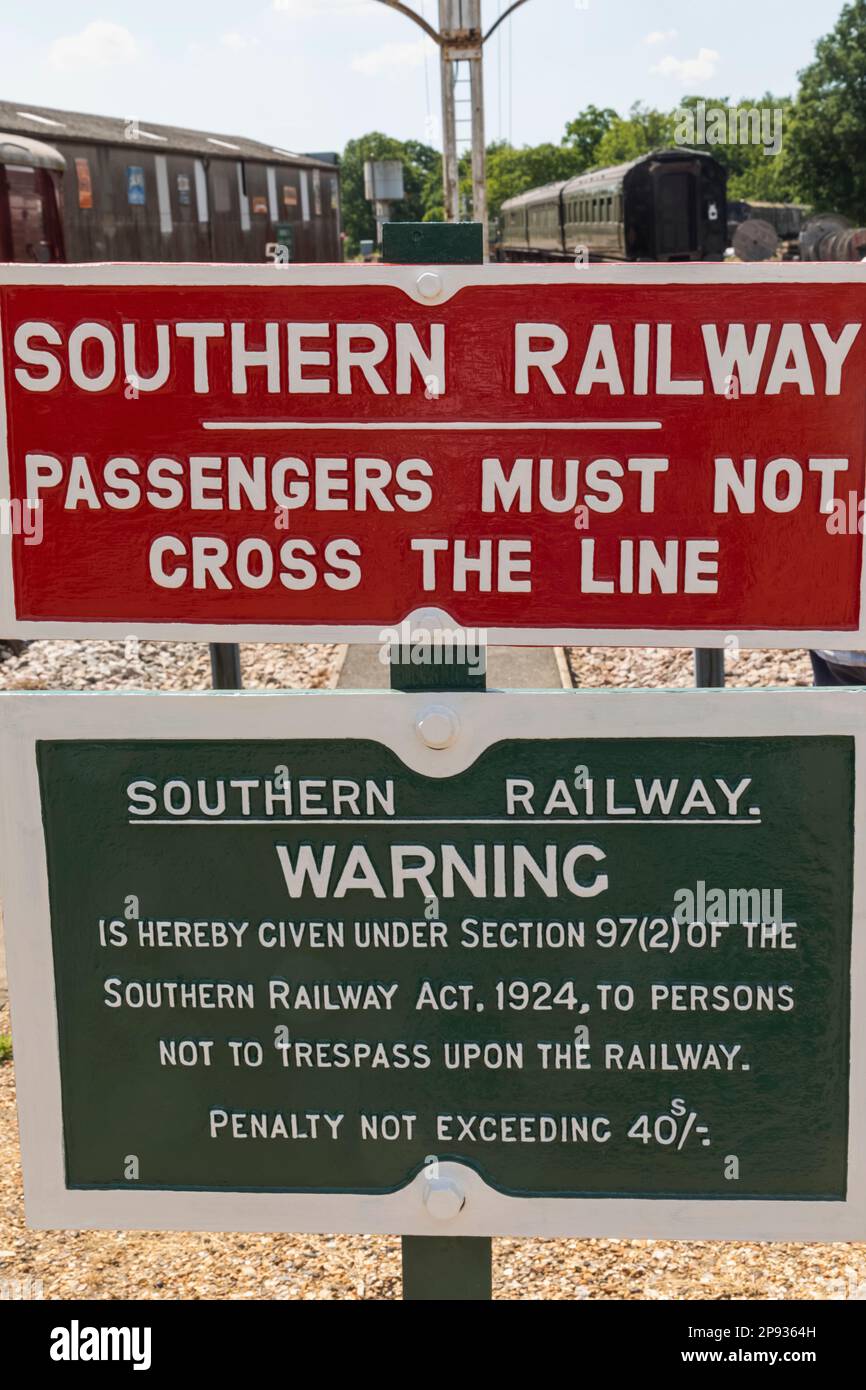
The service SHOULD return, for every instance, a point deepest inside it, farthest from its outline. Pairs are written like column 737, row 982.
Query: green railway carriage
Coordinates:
column 666, row 206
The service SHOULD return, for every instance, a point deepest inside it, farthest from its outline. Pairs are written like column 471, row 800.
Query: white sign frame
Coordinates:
column 408, row 278
column 388, row 718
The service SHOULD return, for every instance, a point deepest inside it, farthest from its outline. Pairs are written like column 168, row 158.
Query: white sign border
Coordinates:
column 388, row 718
column 406, row 278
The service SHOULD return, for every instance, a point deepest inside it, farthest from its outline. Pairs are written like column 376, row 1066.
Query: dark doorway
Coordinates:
column 29, row 219
column 675, row 213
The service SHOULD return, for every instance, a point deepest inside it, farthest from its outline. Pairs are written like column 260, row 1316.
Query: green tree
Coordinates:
column 422, row 173
column 585, row 132
column 827, row 138
column 511, row 171
column 629, row 137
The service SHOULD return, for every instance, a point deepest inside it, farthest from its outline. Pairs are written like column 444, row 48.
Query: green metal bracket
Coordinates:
column 447, row 1268
column 449, row 675
column 431, row 243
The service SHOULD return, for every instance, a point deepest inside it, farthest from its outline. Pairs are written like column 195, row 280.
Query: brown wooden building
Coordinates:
column 138, row 191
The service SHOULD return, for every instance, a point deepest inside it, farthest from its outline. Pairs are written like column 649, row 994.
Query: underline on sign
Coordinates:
column 447, row 820
column 495, row 425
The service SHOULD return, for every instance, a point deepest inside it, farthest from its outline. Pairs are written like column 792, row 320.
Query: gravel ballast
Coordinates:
column 168, row 1265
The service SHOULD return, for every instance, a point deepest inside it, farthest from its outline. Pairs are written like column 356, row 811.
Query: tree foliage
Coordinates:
column 511, row 171
column 758, row 167
column 642, row 130
column 422, row 183
column 827, row 140
column 586, row 131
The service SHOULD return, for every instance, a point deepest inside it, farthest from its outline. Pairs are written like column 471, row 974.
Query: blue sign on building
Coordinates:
column 135, row 192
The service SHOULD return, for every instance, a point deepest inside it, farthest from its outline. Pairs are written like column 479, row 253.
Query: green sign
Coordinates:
column 572, row 968
column 285, row 235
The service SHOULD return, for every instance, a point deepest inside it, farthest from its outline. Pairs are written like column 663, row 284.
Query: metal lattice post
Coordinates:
column 449, row 136
column 479, row 152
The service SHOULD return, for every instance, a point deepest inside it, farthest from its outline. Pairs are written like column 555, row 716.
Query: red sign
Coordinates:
column 595, row 454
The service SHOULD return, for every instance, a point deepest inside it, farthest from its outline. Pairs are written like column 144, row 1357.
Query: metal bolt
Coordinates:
column 429, row 284
column 443, row 1199
column 428, row 619
column 437, row 726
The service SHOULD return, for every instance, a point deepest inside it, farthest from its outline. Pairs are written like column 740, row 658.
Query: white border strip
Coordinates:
column 388, row 718
column 454, row 277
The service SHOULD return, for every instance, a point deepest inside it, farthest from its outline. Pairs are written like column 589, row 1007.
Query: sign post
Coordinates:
column 457, row 1269
column 225, row 666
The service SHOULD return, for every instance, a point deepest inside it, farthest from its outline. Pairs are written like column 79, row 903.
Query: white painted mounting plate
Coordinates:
column 683, row 723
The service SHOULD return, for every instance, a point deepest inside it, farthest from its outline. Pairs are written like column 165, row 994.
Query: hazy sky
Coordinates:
column 309, row 74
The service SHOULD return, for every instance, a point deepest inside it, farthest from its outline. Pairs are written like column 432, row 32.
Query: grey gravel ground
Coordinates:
column 136, row 665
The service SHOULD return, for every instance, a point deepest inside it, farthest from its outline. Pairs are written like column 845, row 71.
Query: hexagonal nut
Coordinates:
column 437, row 726
column 429, row 284
column 443, row 1199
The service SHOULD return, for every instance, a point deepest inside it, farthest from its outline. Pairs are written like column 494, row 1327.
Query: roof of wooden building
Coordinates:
column 46, row 123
